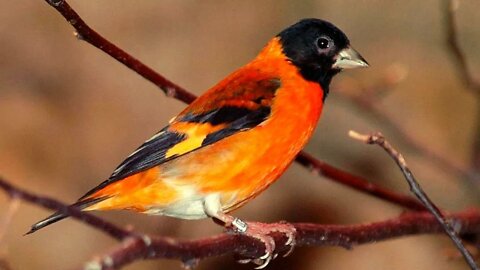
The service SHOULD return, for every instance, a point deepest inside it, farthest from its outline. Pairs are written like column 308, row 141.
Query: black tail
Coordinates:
column 59, row 215
column 47, row 221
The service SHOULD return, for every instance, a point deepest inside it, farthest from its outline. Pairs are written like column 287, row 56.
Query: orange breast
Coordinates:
column 242, row 165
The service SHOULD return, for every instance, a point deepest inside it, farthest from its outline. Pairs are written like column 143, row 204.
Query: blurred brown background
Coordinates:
column 69, row 114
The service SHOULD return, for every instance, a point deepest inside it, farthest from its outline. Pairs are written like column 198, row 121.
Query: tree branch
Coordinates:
column 320, row 167
column 135, row 246
column 318, row 235
column 84, row 32
column 379, row 139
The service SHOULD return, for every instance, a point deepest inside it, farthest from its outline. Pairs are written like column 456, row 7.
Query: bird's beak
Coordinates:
column 349, row 58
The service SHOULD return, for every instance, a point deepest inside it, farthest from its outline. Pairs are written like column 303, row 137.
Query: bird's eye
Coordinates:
column 324, row 43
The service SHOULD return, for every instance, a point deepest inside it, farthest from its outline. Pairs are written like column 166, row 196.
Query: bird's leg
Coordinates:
column 256, row 230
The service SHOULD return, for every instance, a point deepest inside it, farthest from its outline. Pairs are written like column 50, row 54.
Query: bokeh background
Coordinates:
column 69, row 114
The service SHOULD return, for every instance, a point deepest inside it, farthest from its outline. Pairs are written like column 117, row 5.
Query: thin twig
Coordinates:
column 356, row 182
column 172, row 90
column 415, row 188
column 369, row 102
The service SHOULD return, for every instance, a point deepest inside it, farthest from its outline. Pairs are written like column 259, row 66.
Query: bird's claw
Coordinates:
column 266, row 256
column 290, row 234
column 262, row 263
column 261, row 232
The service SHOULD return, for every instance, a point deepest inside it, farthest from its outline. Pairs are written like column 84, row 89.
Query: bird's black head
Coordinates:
column 319, row 50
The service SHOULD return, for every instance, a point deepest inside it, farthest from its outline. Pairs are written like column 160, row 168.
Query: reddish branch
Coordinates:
column 84, row 32
column 356, row 182
column 416, row 189
column 137, row 246
column 172, row 90
column 346, row 236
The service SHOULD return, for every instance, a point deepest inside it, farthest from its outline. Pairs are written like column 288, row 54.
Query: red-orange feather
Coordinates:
column 238, row 166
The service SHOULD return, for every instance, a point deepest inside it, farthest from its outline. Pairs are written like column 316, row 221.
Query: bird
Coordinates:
column 235, row 140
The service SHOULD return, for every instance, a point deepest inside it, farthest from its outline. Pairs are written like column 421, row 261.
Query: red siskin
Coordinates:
column 235, row 140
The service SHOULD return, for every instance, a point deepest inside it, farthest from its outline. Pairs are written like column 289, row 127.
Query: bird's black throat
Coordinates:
column 321, row 76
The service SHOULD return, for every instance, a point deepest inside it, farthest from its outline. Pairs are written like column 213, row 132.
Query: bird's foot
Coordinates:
column 261, row 232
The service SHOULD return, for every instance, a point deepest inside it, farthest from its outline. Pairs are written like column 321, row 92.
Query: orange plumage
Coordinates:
column 239, row 166
column 236, row 139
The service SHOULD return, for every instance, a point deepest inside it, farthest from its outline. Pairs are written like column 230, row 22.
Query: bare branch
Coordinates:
column 379, row 139
column 346, row 236
column 172, row 90
column 358, row 183
column 84, row 32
